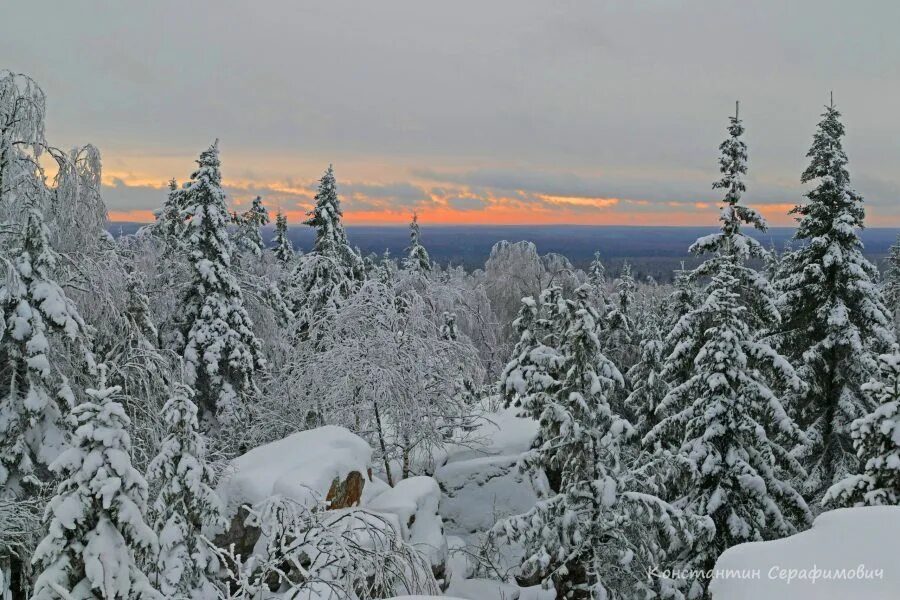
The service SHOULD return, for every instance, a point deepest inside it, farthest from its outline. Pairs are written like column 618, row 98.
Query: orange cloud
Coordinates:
column 133, row 216
column 367, row 201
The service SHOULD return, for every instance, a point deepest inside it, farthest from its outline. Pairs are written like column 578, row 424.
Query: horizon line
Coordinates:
column 532, row 225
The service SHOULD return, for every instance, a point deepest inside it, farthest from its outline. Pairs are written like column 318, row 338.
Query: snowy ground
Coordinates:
column 838, row 559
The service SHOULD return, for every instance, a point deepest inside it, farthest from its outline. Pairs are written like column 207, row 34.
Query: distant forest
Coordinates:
column 651, row 251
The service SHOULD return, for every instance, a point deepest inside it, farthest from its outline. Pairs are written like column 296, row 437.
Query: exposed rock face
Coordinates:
column 346, row 493
column 243, row 536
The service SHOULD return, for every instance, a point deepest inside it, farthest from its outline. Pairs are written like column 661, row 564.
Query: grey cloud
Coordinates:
column 636, row 92
column 466, row 203
column 125, row 197
column 398, row 194
column 656, row 188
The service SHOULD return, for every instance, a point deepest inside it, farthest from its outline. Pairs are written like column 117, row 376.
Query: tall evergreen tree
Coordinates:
column 725, row 425
column 284, row 250
column 171, row 221
column 597, row 281
column 36, row 313
column 332, row 271
column 620, row 326
column 417, row 258
column 185, row 504
column 589, row 521
column 876, row 438
column 649, row 387
column 221, row 354
column 892, row 284
column 834, row 317
column 96, row 531
column 327, row 219
column 249, row 224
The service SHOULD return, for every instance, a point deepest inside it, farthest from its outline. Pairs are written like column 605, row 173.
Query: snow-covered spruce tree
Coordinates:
column 725, row 425
column 597, row 280
column 620, row 332
column 876, row 438
column 96, row 530
column 537, row 360
column 171, row 221
column 283, row 250
column 834, row 321
column 682, row 298
column 648, row 386
column 332, row 271
column 36, row 315
column 417, row 258
column 590, row 535
column 892, row 284
column 221, row 353
column 326, row 218
column 185, row 504
column 249, row 223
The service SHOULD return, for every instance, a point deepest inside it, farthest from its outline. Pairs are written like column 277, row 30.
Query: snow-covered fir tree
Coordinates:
column 876, row 438
column 283, row 250
column 171, row 221
column 332, row 271
column 834, row 321
column 597, row 280
column 620, row 341
column 222, row 355
column 682, row 298
column 536, row 362
column 648, row 386
column 97, row 532
column 725, row 425
column 249, row 224
column 892, row 284
column 137, row 310
column 327, row 219
column 417, row 258
column 36, row 317
column 185, row 503
column 589, row 528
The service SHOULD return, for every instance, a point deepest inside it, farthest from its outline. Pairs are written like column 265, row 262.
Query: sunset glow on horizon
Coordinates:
column 494, row 207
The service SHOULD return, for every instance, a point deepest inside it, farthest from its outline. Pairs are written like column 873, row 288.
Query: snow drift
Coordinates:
column 848, row 553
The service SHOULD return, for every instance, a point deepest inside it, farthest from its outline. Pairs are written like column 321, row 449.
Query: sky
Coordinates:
column 499, row 111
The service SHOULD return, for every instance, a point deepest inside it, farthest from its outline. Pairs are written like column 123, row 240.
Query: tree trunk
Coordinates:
column 382, row 445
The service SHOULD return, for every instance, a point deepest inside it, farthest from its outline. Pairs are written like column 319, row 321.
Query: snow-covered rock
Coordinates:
column 327, row 463
column 482, row 484
column 479, row 491
column 415, row 502
column 848, row 553
column 307, row 467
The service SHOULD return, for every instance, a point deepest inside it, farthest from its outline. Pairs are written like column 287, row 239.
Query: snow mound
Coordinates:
column 484, row 589
column 481, row 490
column 301, row 466
column 482, row 484
column 415, row 501
column 848, row 553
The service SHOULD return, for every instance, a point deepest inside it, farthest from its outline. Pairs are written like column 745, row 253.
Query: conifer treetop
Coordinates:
column 733, row 166
column 326, row 216
column 417, row 256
